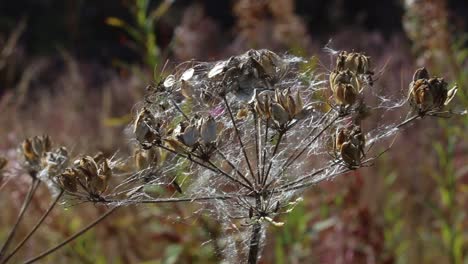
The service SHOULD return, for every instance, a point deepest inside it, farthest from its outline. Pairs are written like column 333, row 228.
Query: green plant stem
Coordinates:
column 38, row 224
column 71, row 238
column 26, row 203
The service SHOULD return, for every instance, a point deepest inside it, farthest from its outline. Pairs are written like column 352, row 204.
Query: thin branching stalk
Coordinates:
column 264, row 146
column 72, row 237
column 234, row 168
column 275, row 150
column 257, row 142
column 38, row 224
column 27, row 201
column 236, row 129
column 213, row 167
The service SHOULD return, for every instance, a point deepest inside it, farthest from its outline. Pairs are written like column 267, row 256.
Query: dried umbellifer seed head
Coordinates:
column 349, row 144
column 345, row 94
column 426, row 94
column 355, row 62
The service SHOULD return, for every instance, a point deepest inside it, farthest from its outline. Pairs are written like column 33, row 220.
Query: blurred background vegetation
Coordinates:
column 75, row 69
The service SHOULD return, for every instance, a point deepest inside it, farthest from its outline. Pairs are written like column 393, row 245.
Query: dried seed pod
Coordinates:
column 353, row 61
column 68, row 180
column 33, row 150
column 187, row 75
column 217, row 69
column 190, row 136
column 146, row 129
column 421, row 73
column 262, row 106
column 208, row 130
column 345, row 87
column 427, row 94
column 451, row 94
column 279, row 115
column 169, row 81
column 349, row 144
column 28, row 151
column 350, row 154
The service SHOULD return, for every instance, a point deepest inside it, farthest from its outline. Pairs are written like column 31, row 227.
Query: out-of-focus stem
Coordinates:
column 71, row 238
column 27, row 201
column 25, row 239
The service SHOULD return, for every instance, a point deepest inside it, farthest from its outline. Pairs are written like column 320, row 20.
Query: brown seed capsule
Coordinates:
column 146, row 129
column 355, row 62
column 349, row 144
column 420, row 73
column 426, row 94
column 350, row 154
column 28, row 150
column 345, row 87
column 67, row 181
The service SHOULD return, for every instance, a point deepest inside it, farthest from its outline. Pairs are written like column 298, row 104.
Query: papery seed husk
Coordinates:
column 187, row 75
column 291, row 107
column 451, row 94
column 169, row 81
column 217, row 69
column 28, row 151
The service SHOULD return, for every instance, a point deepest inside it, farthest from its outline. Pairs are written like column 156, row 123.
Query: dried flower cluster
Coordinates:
column 88, row 177
column 428, row 94
column 243, row 136
column 351, row 74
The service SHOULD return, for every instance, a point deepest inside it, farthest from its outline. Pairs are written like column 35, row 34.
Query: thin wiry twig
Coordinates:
column 236, row 129
column 27, row 201
column 38, row 224
column 72, row 237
